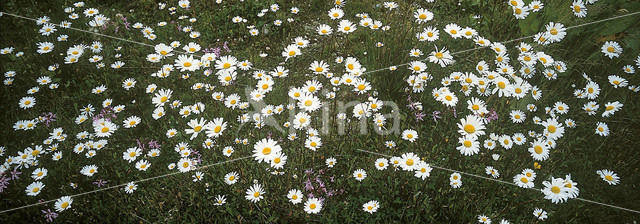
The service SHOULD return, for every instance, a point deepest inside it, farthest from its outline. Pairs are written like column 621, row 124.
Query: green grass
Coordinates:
column 176, row 199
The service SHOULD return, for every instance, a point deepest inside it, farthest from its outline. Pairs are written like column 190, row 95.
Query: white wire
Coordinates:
column 509, row 41
column 124, row 184
column 505, row 182
column 184, row 52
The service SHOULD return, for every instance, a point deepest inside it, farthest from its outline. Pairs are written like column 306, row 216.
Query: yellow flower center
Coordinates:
column 266, row 151
column 555, row 189
column 469, row 128
column 448, row 98
column 537, row 149
column 552, row 128
column 409, row 162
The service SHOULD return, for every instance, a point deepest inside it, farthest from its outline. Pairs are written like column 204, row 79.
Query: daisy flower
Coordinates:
column 131, row 122
column 89, row 170
column 295, row 196
column 27, row 102
column 454, row 30
column 324, row 29
column 609, row 176
column 313, row 206
column 602, row 129
column 471, row 126
column 484, row 219
column 130, row 187
column 540, row 214
column 45, row 47
column 611, row 108
column 517, row 116
column 278, row 161
column 220, row 200
column 410, row 135
column 441, row 57
column 553, row 130
column 611, row 49
column 290, row 52
column 381, row 163
column 422, row 170
column 265, row 149
column 555, row 190
column 492, row 172
column 371, row 206
column 539, row 150
column 579, row 9
column 313, row 143
column 469, row 145
column 143, row 165
column 131, row 154
column 34, row 188
column 335, row 13
column 523, row 181
column 185, row 63
column 346, row 26
column 196, row 126
column 104, row 128
column 215, row 128
column 617, row 81
column 184, row 165
column 330, row 162
column 255, row 193
column 423, row 16
column 63, row 203
column 319, row 67
column 359, row 174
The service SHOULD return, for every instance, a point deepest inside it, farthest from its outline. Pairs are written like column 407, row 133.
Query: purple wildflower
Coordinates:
column 49, row 215
column 419, row 116
column 153, row 144
column 436, row 115
column 48, row 117
column 492, row 116
column 100, row 182
column 15, row 174
column 4, row 183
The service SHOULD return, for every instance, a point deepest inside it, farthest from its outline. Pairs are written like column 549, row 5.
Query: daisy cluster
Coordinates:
column 193, row 126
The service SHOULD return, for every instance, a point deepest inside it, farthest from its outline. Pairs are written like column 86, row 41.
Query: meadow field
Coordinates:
column 320, row 111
